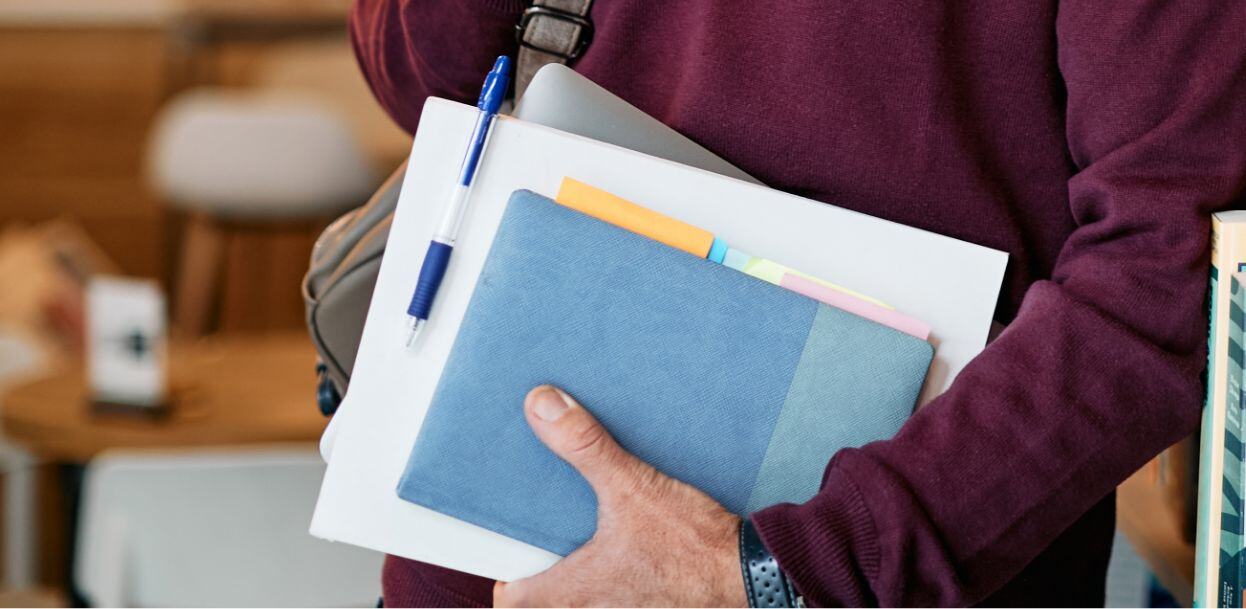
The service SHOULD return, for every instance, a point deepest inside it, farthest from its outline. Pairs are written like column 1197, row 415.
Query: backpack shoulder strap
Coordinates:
column 550, row 31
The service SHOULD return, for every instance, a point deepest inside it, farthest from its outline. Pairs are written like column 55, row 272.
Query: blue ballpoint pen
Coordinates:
column 438, row 255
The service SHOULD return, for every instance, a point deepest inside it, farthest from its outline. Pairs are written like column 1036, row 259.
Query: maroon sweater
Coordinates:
column 1090, row 139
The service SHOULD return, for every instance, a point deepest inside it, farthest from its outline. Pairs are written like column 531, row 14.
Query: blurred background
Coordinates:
column 193, row 149
column 165, row 168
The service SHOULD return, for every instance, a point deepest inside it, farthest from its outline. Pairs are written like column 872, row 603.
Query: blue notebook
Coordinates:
column 734, row 385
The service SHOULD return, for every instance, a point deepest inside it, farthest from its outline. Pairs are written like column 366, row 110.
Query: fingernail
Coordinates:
column 549, row 403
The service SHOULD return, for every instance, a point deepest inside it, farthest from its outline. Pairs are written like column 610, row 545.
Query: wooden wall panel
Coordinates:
column 75, row 107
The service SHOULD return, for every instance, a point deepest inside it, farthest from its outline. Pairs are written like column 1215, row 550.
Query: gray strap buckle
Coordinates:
column 533, row 12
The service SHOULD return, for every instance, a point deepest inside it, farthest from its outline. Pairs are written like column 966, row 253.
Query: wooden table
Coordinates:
column 1152, row 521
column 225, row 392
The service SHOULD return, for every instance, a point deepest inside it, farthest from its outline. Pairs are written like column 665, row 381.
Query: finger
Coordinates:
column 573, row 434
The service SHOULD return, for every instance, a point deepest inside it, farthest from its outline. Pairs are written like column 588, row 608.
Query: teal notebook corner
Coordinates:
column 736, row 386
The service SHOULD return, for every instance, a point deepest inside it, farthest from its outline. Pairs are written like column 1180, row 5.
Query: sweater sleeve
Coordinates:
column 1099, row 371
column 411, row 49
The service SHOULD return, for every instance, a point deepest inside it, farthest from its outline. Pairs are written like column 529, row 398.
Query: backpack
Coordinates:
column 346, row 258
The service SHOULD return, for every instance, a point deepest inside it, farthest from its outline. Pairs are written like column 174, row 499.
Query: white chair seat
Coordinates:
column 257, row 155
column 213, row 528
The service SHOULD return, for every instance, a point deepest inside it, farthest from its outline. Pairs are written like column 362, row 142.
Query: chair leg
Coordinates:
column 199, row 275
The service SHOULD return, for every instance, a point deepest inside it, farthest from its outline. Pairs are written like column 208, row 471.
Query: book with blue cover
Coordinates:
column 1231, row 481
column 729, row 383
column 1218, row 539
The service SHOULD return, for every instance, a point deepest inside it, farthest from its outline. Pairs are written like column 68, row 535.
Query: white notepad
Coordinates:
column 951, row 284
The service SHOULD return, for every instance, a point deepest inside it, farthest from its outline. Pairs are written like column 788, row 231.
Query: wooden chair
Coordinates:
column 235, row 159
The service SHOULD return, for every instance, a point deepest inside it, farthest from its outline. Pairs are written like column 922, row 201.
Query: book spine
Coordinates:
column 1228, row 239
column 1205, row 570
column 1231, row 474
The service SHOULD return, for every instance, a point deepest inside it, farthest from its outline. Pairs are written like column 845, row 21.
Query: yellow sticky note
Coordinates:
column 765, row 270
column 773, row 272
column 627, row 215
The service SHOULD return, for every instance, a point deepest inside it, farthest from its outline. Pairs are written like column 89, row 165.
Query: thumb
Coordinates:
column 573, row 434
column 507, row 595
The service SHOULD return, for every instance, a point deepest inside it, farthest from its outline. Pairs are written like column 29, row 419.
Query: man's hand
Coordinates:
column 658, row 540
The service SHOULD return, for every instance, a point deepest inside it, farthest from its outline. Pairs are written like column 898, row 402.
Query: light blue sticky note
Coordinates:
column 736, row 259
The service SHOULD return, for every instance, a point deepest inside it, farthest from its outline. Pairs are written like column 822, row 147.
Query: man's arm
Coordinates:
column 411, row 49
column 1101, row 368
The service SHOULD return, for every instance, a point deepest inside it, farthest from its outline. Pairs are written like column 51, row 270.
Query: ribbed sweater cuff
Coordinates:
column 828, row 546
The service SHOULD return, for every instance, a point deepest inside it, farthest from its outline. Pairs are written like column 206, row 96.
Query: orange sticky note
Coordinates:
column 627, row 215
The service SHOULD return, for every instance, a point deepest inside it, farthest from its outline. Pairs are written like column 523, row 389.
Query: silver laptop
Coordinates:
column 561, row 98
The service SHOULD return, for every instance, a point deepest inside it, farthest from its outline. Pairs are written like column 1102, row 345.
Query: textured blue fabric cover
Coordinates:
column 687, row 363
column 856, row 382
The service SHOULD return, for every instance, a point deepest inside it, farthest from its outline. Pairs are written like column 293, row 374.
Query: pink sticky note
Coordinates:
column 835, row 298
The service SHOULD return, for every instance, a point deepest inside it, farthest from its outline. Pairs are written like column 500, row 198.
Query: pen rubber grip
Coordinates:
column 431, row 272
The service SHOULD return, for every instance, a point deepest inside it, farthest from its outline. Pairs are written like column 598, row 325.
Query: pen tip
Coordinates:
column 414, row 333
